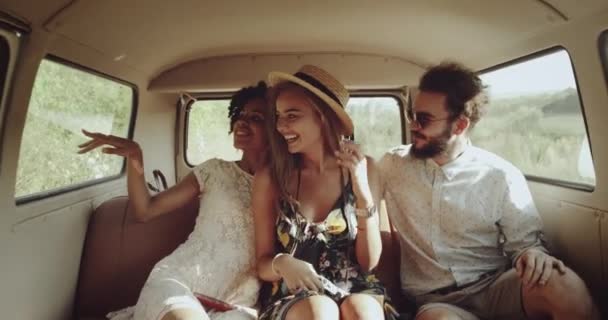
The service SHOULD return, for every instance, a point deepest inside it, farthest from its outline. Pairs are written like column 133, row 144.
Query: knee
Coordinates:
column 359, row 306
column 437, row 314
column 314, row 308
column 185, row 314
column 567, row 291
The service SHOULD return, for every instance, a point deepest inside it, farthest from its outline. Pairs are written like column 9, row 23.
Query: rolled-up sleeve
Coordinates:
column 520, row 223
column 383, row 167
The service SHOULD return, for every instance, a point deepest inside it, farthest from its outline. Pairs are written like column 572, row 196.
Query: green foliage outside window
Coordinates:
column 535, row 119
column 377, row 123
column 65, row 100
column 208, row 137
column 377, row 128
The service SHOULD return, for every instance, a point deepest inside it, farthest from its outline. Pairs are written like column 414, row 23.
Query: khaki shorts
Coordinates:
column 494, row 297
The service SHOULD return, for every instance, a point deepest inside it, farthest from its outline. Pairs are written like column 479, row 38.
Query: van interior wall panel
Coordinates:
column 33, row 12
column 90, row 57
column 573, row 234
column 602, row 297
column 155, row 133
column 339, row 27
column 356, row 71
column 41, row 263
column 41, row 241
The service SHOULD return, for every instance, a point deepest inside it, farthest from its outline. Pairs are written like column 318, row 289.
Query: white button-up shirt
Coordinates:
column 458, row 221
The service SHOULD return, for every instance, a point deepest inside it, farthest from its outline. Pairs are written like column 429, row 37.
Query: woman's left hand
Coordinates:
column 350, row 157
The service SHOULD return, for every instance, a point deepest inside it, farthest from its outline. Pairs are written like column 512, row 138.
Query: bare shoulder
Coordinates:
column 372, row 164
column 263, row 177
column 264, row 195
column 263, row 183
column 190, row 181
column 373, row 173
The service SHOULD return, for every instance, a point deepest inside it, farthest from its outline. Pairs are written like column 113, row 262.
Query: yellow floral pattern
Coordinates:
column 329, row 247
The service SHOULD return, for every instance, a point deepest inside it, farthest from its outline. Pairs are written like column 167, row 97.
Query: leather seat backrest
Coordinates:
column 119, row 253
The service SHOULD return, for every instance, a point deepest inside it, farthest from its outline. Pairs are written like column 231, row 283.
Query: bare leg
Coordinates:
column 185, row 314
column 313, row 308
column 437, row 313
column 361, row 306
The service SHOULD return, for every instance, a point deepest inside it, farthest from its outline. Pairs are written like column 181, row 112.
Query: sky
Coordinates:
column 551, row 72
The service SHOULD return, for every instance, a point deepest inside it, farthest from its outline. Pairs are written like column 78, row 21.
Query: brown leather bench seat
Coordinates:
column 119, row 253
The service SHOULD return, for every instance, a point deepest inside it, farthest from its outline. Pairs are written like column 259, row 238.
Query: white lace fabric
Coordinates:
column 218, row 258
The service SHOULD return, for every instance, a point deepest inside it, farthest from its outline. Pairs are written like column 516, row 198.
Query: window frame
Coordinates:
column 78, row 186
column 13, row 36
column 529, row 57
column 602, row 46
column 188, row 107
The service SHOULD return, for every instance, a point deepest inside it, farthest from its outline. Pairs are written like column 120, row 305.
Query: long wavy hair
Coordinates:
column 284, row 164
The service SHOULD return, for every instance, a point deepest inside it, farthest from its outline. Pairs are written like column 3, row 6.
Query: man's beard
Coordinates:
column 434, row 146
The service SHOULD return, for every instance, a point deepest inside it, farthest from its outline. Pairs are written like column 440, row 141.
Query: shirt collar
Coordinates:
column 452, row 168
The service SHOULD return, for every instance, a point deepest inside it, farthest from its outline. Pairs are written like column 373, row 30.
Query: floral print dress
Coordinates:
column 330, row 247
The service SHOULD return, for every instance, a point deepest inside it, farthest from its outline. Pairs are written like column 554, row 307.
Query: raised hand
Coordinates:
column 350, row 157
column 114, row 145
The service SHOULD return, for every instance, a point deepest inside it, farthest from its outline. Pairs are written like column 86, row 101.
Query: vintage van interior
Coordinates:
column 134, row 68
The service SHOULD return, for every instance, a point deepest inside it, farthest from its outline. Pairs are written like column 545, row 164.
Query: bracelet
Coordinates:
column 366, row 212
column 274, row 270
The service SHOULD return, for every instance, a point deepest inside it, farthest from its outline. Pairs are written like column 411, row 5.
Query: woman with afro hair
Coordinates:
column 218, row 259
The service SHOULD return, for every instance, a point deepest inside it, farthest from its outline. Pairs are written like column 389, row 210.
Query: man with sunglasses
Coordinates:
column 468, row 231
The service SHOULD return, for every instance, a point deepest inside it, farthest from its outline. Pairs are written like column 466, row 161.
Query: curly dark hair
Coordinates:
column 242, row 97
column 465, row 93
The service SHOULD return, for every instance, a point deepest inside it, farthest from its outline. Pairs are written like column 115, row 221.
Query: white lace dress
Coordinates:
column 218, row 259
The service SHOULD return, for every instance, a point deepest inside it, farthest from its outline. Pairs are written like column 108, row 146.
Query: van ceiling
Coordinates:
column 154, row 35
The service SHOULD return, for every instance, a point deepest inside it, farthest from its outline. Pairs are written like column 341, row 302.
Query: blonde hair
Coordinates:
column 284, row 164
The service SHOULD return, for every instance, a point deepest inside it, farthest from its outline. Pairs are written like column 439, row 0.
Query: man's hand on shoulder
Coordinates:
column 535, row 267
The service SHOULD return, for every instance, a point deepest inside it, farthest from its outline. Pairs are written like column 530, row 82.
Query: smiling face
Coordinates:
column 248, row 131
column 432, row 130
column 298, row 121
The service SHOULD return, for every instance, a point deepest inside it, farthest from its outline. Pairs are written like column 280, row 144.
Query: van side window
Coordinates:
column 377, row 127
column 377, row 123
column 207, row 134
column 64, row 100
column 535, row 120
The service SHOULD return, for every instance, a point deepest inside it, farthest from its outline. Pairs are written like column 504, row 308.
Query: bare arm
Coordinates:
column 366, row 187
column 264, row 216
column 368, row 245
column 296, row 273
column 388, row 270
column 145, row 206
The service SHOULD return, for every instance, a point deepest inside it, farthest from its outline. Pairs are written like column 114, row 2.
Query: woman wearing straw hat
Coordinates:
column 316, row 224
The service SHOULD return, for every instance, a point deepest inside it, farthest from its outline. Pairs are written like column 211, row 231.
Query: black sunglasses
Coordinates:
column 422, row 120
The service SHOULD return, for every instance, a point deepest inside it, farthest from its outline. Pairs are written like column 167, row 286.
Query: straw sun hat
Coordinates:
column 323, row 85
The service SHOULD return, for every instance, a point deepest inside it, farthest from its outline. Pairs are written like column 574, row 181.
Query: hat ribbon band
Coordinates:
column 315, row 83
